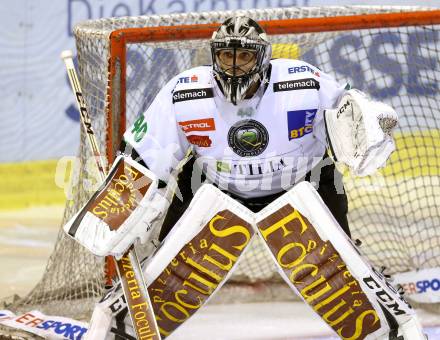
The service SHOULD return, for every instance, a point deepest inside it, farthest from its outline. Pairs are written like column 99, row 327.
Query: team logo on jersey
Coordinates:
column 183, row 95
column 300, row 123
column 299, row 84
column 206, row 124
column 248, row 138
column 201, row 141
column 303, row 68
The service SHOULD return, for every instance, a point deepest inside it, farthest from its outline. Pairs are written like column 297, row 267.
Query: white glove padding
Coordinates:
column 196, row 258
column 359, row 132
column 122, row 210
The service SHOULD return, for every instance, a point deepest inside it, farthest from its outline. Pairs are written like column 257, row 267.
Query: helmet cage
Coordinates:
column 238, row 61
column 233, row 36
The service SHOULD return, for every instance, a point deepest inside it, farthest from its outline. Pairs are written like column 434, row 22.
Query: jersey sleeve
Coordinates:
column 330, row 91
column 157, row 137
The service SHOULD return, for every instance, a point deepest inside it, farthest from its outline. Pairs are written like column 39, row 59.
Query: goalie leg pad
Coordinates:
column 195, row 259
column 321, row 264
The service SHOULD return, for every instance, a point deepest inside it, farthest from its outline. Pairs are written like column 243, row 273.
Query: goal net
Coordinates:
column 124, row 62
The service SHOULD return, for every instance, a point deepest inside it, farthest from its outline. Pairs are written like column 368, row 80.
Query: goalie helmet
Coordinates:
column 244, row 44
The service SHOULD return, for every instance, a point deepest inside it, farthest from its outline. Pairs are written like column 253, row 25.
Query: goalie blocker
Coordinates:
column 124, row 209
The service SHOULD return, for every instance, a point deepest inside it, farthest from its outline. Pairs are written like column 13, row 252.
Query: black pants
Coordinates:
column 331, row 190
column 328, row 180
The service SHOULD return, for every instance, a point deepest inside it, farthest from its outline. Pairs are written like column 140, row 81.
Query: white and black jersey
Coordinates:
column 259, row 147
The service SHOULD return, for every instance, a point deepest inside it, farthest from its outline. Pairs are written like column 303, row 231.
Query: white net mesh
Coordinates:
column 396, row 214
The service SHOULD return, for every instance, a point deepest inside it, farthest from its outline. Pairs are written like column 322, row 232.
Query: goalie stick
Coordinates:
column 128, row 267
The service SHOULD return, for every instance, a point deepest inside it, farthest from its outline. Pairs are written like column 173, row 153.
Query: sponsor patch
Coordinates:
column 139, row 129
column 303, row 68
column 254, row 168
column 248, row 138
column 193, row 94
column 201, row 141
column 300, row 122
column 192, row 79
column 299, row 84
column 207, row 124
